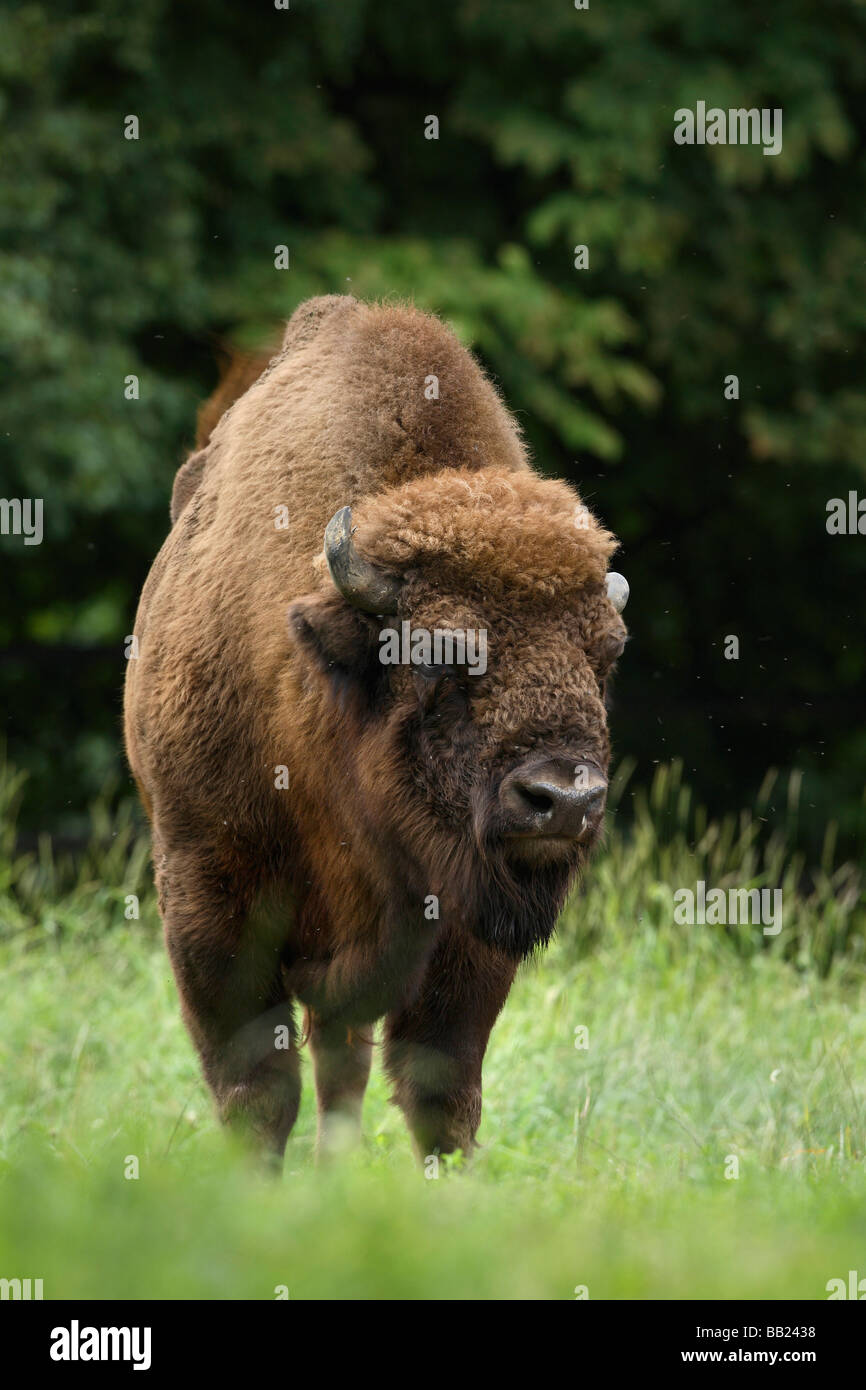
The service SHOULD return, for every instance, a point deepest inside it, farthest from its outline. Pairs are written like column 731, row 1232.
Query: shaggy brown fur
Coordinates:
column 250, row 661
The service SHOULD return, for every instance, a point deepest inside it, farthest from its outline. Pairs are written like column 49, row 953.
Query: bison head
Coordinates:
column 463, row 647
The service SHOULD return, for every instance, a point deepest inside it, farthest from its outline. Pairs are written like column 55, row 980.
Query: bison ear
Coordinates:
column 342, row 641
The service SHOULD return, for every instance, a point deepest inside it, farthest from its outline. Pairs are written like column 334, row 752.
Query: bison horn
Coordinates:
column 358, row 581
column 617, row 590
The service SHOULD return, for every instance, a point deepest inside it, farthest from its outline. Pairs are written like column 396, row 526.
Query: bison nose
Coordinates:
column 555, row 799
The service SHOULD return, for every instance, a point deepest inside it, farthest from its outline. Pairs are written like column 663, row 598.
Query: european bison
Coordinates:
column 370, row 839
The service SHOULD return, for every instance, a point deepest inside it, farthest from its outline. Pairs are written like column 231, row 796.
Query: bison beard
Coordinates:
column 511, row 906
column 506, row 904
column 515, row 907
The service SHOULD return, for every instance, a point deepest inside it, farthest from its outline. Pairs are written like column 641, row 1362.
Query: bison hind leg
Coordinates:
column 341, row 1062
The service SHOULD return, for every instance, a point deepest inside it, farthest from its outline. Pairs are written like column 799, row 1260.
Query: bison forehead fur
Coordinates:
column 328, row 828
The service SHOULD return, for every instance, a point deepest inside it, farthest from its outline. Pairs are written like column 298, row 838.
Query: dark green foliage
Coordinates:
column 305, row 127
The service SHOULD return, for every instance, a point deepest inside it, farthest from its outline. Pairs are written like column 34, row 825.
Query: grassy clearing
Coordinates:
column 602, row 1166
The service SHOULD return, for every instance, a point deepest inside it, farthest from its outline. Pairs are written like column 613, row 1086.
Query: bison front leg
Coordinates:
column 434, row 1047
column 341, row 1061
column 226, row 962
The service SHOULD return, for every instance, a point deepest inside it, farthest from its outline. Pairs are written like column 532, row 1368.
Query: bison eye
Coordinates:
column 609, row 650
column 434, row 672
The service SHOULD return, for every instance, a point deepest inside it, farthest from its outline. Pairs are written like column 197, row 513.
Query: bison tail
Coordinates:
column 240, row 371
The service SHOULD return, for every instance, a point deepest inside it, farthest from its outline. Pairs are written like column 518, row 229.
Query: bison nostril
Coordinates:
column 538, row 800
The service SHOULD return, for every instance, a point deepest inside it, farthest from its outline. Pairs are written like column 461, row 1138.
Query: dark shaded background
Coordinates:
column 305, row 127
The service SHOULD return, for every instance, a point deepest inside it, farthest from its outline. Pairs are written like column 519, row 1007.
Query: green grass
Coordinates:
column 602, row 1167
